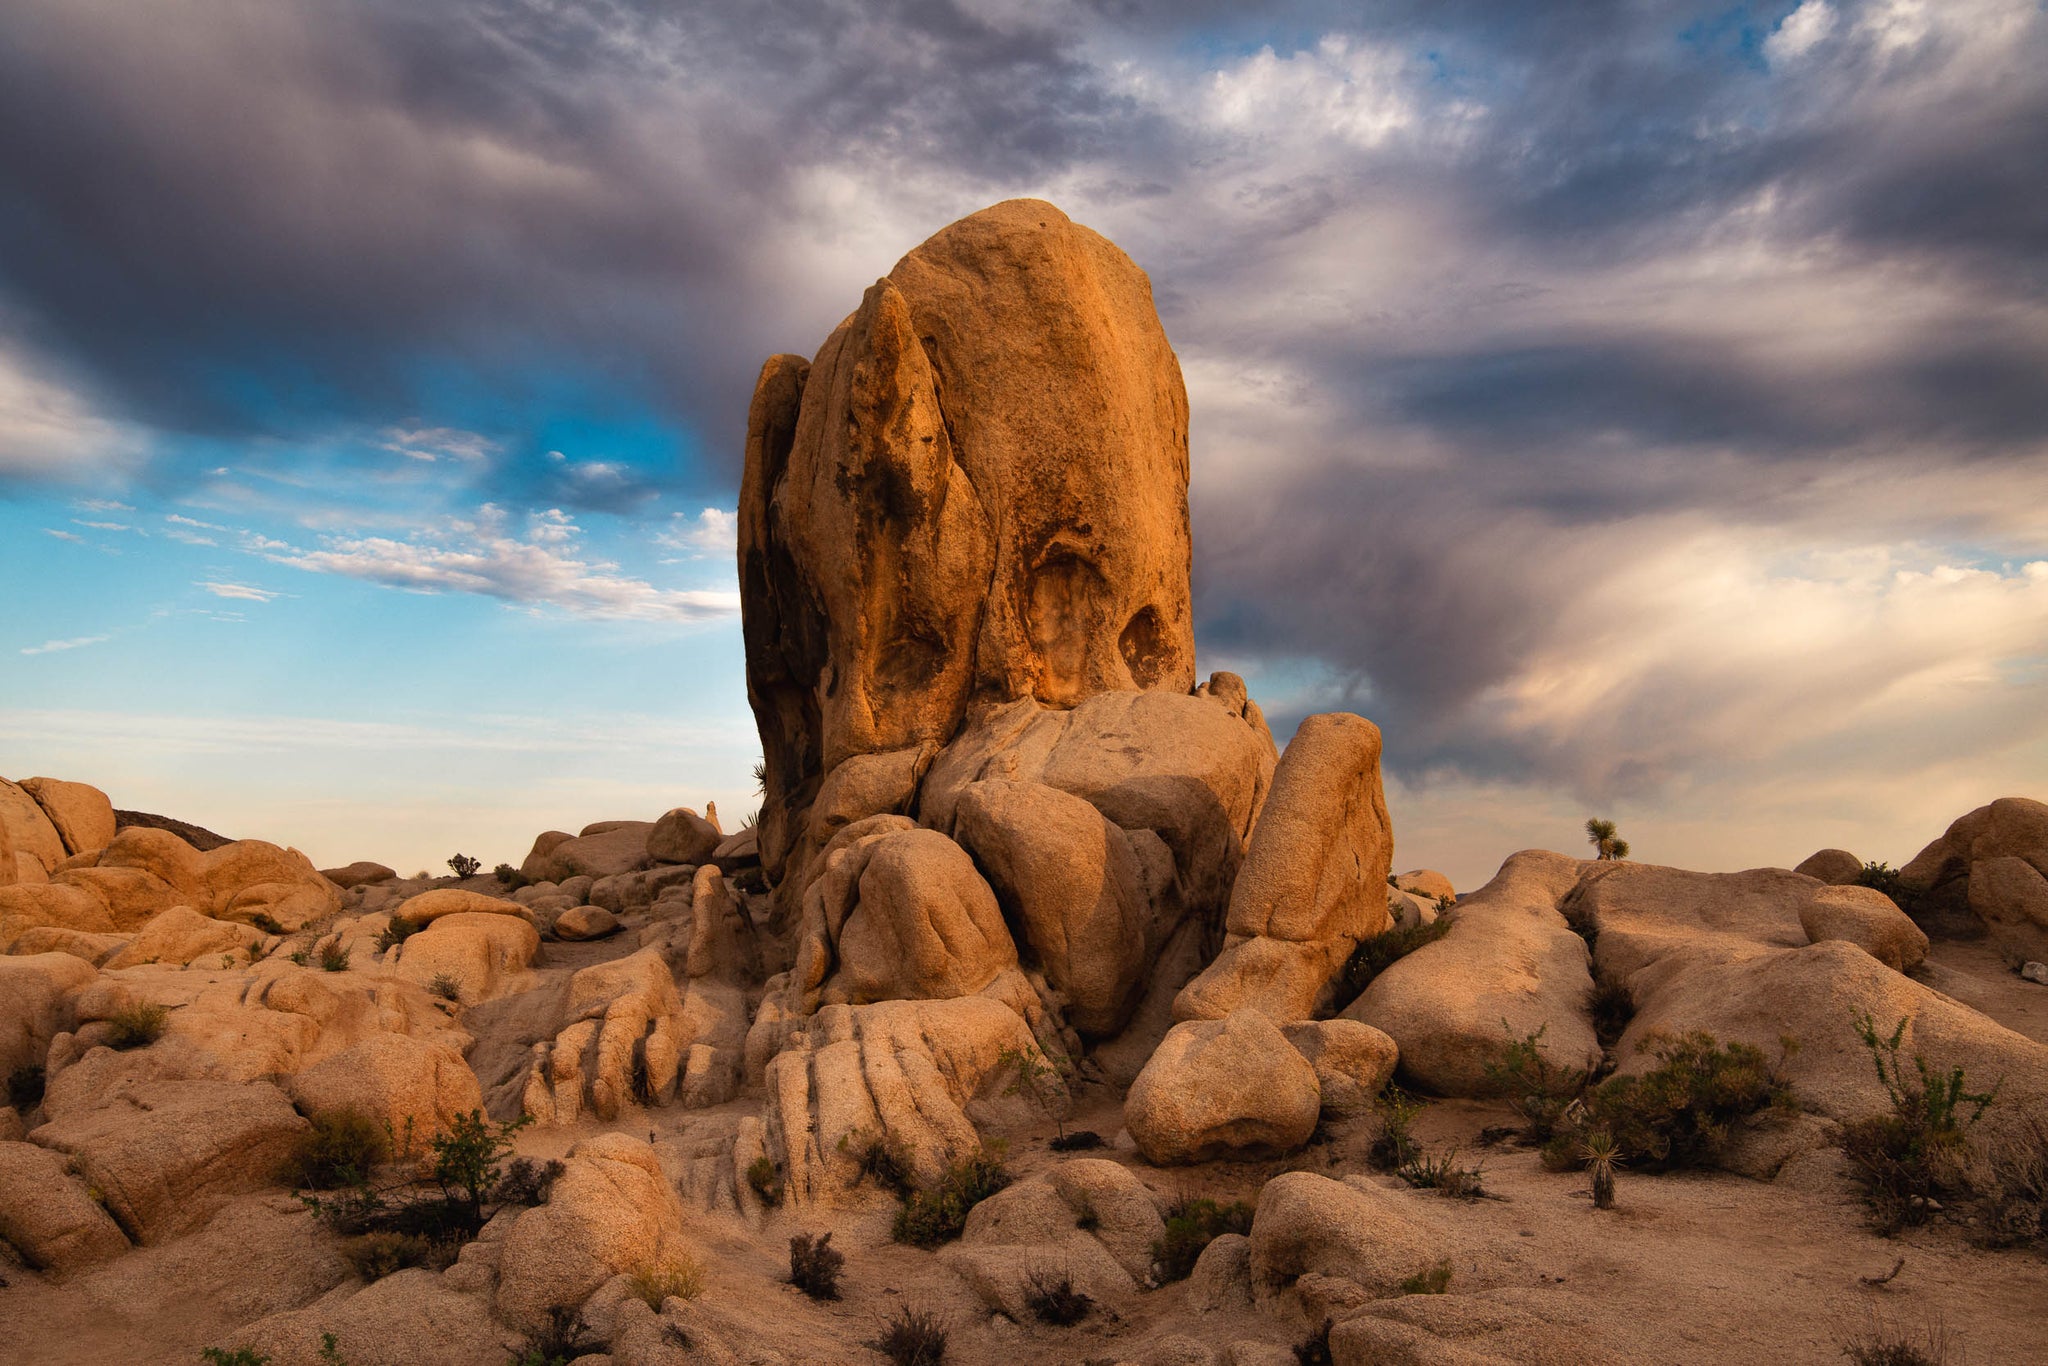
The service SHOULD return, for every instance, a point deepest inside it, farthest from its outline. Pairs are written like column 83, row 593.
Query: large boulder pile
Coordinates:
column 1992, row 865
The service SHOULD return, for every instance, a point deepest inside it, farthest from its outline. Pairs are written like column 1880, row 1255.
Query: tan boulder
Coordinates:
column 1079, row 894
column 585, row 922
column 1836, row 867
column 1313, row 882
column 1426, row 883
column 2009, row 890
column 608, row 848
column 1218, row 1088
column 1125, row 1214
column 47, row 1215
column 37, row 846
column 361, row 873
column 683, row 836
column 486, row 954
column 36, row 1005
column 1867, row 918
column 1029, row 1232
column 143, row 872
column 620, row 1036
column 1353, row 1229
column 428, row 907
column 611, row 1211
column 81, row 813
column 904, row 916
column 166, row 1154
column 405, row 1319
column 1353, row 1061
column 9, row 870
column 2011, row 827
column 182, row 935
column 1509, row 967
column 81, row 944
column 419, row 1086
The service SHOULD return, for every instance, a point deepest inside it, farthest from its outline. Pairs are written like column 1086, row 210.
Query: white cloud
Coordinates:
column 176, row 520
column 714, row 531
column 238, row 590
column 101, row 505
column 70, row 536
column 541, row 569
column 431, row 444
column 109, row 526
column 1800, row 32
column 51, row 647
column 48, row 431
column 1344, row 87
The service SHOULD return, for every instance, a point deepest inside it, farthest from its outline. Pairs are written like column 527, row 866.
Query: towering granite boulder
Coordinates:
column 975, row 494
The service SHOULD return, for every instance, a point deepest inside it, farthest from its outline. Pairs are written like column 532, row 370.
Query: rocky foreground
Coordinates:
column 1090, row 1024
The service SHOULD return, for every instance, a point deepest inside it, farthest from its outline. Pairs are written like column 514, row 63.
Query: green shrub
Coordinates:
column 467, row 1157
column 938, row 1213
column 240, row 1356
column 1394, row 1145
column 1680, row 1113
column 462, row 865
column 1375, row 955
column 333, row 957
column 377, row 1255
column 1915, row 1156
column 266, row 922
column 1192, row 1223
column 814, row 1266
column 561, row 1341
column 447, row 986
column 511, row 878
column 1435, row 1281
column 1443, row 1175
column 912, row 1337
column 1539, row 1091
column 138, row 1026
column 527, row 1182
column 764, row 1178
column 396, row 932
column 340, row 1149
column 25, row 1087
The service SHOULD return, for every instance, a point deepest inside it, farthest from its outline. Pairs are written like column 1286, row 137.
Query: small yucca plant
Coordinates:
column 1602, row 1155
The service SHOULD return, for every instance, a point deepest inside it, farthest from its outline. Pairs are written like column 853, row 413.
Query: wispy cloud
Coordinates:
column 238, row 590
column 70, row 536
column 108, row 526
column 539, row 568
column 431, row 444
column 713, row 531
column 101, row 505
column 51, row 647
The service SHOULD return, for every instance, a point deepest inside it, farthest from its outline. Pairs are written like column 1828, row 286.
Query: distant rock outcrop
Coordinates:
column 1991, row 864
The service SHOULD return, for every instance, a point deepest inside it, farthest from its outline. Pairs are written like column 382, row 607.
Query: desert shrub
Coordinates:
column 1079, row 1141
column 447, row 986
column 883, row 1157
column 764, row 1178
column 464, row 1173
column 1314, row 1350
column 330, row 1351
column 912, row 1337
column 340, row 1149
column 137, row 1026
column 1680, row 1113
column 333, row 957
column 1054, row 1300
column 1042, row 1078
column 1192, row 1223
column 1882, row 1345
column 1611, row 1006
column 678, row 1275
column 240, row 1356
column 938, row 1213
column 1539, row 1091
column 467, row 1157
column 1375, row 955
column 526, row 1182
column 301, row 957
column 1395, row 1110
column 1885, row 878
column 25, row 1087
column 1434, row 1281
column 464, row 866
column 377, row 1255
column 560, row 1341
column 1916, row 1155
column 1443, row 1175
column 266, row 922
column 814, row 1266
column 396, row 932
column 2016, row 1163
column 510, row 878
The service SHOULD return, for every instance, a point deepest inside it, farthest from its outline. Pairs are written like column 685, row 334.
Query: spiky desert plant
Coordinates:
column 1602, row 1155
column 1601, row 834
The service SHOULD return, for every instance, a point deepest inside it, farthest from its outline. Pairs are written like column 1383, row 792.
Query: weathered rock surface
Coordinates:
column 683, row 836
column 1313, row 882
column 37, row 846
column 144, row 872
column 1426, row 883
column 585, row 922
column 36, row 1005
column 1836, row 867
column 182, row 935
column 1508, row 968
column 487, row 955
column 1865, row 917
column 1222, row 1087
column 1029, row 1232
column 166, row 1154
column 81, row 813
column 361, row 873
column 620, row 1035
column 1352, row 1061
column 402, row 1320
column 610, row 1211
column 976, row 492
column 602, row 850
column 1354, row 1229
column 47, row 1215
column 1965, row 871
column 420, row 1086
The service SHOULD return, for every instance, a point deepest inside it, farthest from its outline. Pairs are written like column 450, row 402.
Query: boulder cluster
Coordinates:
column 1013, row 861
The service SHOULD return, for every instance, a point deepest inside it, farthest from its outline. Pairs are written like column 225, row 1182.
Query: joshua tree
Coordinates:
column 1610, row 845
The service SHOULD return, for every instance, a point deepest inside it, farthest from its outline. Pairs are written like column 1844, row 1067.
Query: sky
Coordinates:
column 1637, row 409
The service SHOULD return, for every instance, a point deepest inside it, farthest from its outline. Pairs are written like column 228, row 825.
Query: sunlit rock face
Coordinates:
column 975, row 493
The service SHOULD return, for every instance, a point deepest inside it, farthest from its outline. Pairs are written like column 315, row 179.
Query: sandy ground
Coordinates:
column 1687, row 1268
